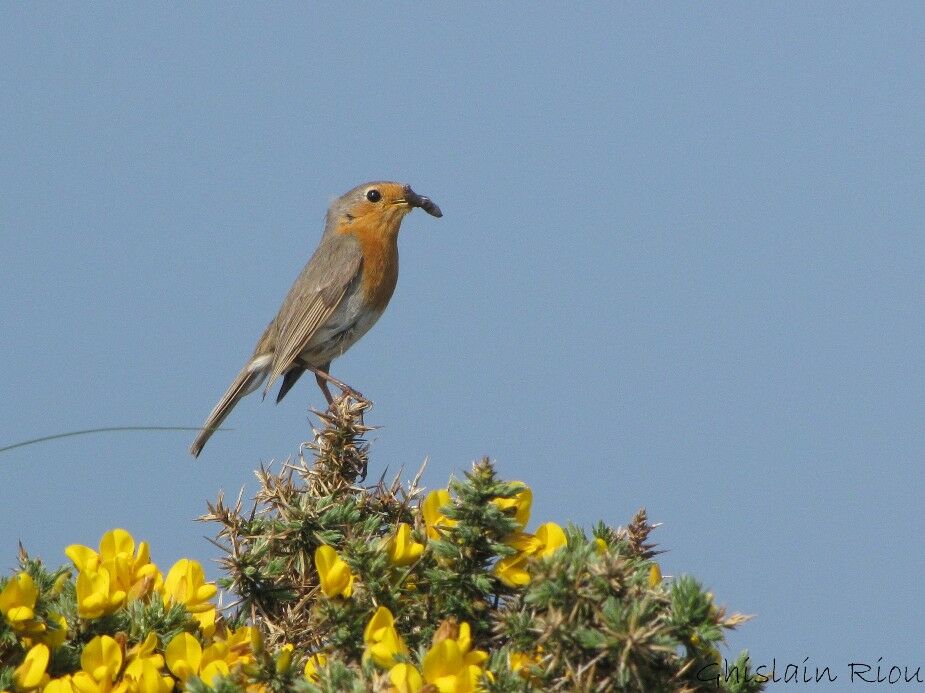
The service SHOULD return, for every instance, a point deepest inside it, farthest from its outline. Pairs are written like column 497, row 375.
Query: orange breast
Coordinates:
column 379, row 245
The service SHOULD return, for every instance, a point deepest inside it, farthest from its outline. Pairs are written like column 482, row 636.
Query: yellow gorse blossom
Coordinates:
column 185, row 658
column 82, row 682
column 186, row 584
column 144, row 671
column 239, row 645
column 17, row 600
column 512, row 570
column 383, row 643
column 550, row 538
column 95, row 594
column 451, row 665
column 523, row 541
column 206, row 621
column 102, row 659
column 520, row 503
column 405, row 678
column 284, row 658
column 402, row 549
column 59, row 685
column 17, row 604
column 434, row 519
column 54, row 632
column 31, row 675
column 100, row 663
column 129, row 571
column 313, row 664
column 146, row 651
column 107, row 579
column 141, row 676
column 333, row 572
column 522, row 662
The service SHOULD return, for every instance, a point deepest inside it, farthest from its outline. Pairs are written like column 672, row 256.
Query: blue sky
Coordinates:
column 680, row 266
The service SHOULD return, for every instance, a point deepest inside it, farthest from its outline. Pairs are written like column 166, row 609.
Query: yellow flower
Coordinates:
column 142, row 676
column 206, row 622
column 17, row 604
column 402, row 549
column 242, row 643
column 146, row 651
column 59, row 583
column 523, row 542
column 452, row 666
column 31, row 673
column 17, row 600
column 186, row 584
column 130, row 573
column 83, row 557
column 334, row 574
column 600, row 546
column 95, row 594
column 82, row 682
column 60, row 685
column 382, row 640
column 184, row 656
column 655, row 576
column 434, row 519
column 314, row 663
column 54, row 632
column 101, row 658
column 512, row 570
column 520, row 504
column 253, row 635
column 214, row 664
column 405, row 679
column 550, row 538
column 522, row 662
column 284, row 658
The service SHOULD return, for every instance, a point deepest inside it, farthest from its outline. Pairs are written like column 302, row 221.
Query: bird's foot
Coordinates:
column 354, row 393
column 359, row 408
column 323, row 378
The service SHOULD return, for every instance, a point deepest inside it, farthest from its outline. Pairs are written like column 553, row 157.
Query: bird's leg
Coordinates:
column 322, row 383
column 324, row 377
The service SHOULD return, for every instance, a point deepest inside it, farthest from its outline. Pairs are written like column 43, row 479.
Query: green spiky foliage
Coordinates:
column 593, row 616
column 587, row 611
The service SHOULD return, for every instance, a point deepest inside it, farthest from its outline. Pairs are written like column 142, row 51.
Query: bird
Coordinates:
column 339, row 295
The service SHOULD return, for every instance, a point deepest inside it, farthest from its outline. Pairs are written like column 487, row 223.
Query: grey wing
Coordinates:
column 312, row 299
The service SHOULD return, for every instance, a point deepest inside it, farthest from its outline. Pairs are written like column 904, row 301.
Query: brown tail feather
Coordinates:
column 248, row 380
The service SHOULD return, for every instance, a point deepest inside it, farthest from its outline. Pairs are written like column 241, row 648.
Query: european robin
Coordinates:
column 339, row 295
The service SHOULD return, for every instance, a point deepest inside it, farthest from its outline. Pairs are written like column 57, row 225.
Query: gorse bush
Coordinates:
column 340, row 586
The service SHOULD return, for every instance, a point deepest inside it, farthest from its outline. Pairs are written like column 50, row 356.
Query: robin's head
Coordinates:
column 382, row 204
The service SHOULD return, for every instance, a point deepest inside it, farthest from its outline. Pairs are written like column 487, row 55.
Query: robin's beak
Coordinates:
column 412, row 199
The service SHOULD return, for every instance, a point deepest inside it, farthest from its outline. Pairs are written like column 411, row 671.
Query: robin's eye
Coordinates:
column 373, row 195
